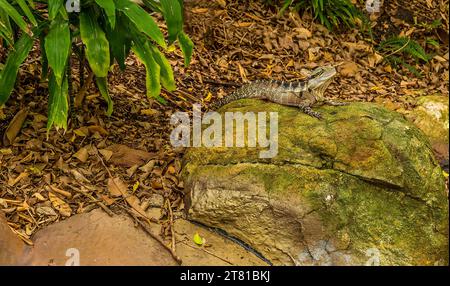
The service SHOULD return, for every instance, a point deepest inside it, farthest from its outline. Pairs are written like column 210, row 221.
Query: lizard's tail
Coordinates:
column 247, row 91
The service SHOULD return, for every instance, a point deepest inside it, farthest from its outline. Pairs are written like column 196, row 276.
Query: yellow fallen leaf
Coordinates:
column 6, row 151
column 445, row 174
column 135, row 186
column 208, row 97
column 61, row 206
column 198, row 239
column 199, row 10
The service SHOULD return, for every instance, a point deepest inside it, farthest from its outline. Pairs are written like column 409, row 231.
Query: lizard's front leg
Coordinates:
column 334, row 103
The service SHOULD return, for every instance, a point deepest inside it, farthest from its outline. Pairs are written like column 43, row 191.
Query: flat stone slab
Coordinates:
column 97, row 239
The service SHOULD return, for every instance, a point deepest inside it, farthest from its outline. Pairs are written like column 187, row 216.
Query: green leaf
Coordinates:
column 44, row 60
column 145, row 55
column 174, row 18
column 8, row 74
column 57, row 47
column 187, row 47
column 102, row 84
column 53, row 8
column 5, row 28
column 27, row 11
column 58, row 103
column 110, row 10
column 143, row 21
column 97, row 46
column 15, row 16
column 167, row 79
column 119, row 41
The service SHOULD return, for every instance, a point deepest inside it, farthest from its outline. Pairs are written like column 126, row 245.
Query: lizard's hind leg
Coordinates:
column 308, row 110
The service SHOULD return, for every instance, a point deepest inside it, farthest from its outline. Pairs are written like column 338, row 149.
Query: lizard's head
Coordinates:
column 321, row 77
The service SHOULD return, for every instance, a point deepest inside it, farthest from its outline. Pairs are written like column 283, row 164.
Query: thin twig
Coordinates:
column 150, row 232
column 207, row 251
column 222, row 83
column 172, row 227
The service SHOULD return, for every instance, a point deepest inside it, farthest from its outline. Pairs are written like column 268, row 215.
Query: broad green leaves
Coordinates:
column 57, row 47
column 53, row 8
column 110, row 10
column 174, row 18
column 8, row 74
column 144, row 53
column 97, row 46
column 107, row 29
column 143, row 21
column 15, row 16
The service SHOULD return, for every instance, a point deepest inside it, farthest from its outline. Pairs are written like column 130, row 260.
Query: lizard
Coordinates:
column 303, row 94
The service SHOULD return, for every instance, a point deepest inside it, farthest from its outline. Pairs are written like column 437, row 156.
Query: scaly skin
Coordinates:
column 302, row 94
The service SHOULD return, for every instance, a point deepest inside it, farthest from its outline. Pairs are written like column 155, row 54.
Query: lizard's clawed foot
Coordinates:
column 310, row 112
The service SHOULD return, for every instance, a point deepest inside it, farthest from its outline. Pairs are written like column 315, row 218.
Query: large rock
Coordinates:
column 359, row 187
column 431, row 116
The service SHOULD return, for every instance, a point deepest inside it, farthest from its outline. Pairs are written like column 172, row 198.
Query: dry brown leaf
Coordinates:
column 116, row 187
column 374, row 59
column 199, row 10
column 14, row 127
column 128, row 157
column 135, row 203
column 106, row 154
column 59, row 191
column 242, row 73
column 61, row 206
column 349, row 69
column 13, row 181
column 82, row 154
column 303, row 33
column 98, row 129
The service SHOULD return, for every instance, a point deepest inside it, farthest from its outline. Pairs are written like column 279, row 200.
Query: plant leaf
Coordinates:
column 174, row 18
column 167, row 79
column 8, row 74
column 143, row 21
column 102, row 84
column 145, row 55
column 53, row 8
column 97, row 46
column 110, row 10
column 27, row 11
column 58, row 104
column 57, row 47
column 187, row 47
column 15, row 16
